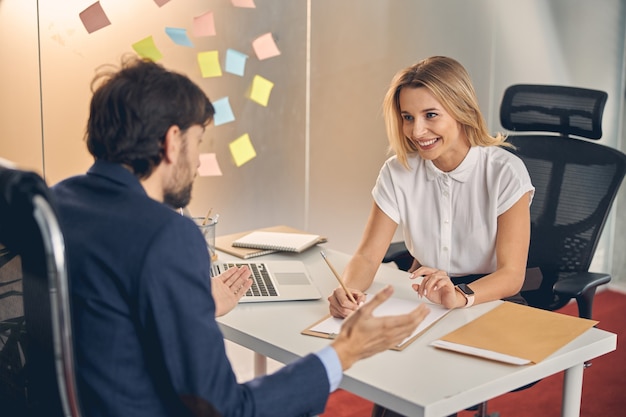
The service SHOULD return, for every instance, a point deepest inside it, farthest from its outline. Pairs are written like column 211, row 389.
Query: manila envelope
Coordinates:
column 520, row 331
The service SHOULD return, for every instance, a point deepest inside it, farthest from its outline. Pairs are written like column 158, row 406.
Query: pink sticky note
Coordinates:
column 94, row 18
column 244, row 3
column 209, row 166
column 204, row 25
column 265, row 47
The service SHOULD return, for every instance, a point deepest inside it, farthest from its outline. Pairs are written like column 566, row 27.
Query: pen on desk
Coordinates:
column 348, row 293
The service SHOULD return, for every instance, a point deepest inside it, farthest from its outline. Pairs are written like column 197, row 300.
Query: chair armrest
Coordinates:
column 576, row 284
column 396, row 250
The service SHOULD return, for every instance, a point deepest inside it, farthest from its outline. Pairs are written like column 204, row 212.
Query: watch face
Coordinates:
column 466, row 290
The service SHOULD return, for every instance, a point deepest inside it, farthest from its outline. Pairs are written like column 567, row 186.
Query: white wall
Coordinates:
column 20, row 115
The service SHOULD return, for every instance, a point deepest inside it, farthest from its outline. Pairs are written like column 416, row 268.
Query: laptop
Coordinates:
column 274, row 281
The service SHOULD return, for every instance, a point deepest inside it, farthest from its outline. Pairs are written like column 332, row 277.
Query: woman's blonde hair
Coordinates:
column 451, row 85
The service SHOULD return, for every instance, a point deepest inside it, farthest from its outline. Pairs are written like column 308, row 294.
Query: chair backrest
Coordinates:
column 29, row 230
column 550, row 108
column 576, row 180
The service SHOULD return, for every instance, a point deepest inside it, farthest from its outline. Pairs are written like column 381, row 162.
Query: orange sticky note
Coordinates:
column 242, row 150
column 265, row 47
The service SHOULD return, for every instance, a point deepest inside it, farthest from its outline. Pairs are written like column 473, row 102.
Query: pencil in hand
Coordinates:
column 348, row 293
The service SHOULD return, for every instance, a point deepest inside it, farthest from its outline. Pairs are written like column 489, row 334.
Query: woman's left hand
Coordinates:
column 436, row 286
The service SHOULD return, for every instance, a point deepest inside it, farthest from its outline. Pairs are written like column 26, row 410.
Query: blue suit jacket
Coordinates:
column 145, row 333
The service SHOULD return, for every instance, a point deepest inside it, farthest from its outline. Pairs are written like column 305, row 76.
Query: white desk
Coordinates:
column 420, row 380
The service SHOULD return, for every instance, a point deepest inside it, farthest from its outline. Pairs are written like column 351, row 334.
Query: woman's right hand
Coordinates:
column 341, row 306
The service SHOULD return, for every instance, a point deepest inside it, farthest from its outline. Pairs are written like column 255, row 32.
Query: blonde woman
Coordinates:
column 461, row 201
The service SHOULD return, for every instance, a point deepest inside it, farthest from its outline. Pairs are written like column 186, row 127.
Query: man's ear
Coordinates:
column 171, row 144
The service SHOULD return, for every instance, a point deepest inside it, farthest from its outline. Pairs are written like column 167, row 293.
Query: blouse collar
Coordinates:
column 460, row 173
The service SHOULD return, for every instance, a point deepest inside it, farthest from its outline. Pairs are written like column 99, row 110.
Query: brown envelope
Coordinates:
column 520, row 331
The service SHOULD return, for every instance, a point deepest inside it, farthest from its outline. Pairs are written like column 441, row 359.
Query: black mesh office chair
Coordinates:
column 576, row 183
column 35, row 349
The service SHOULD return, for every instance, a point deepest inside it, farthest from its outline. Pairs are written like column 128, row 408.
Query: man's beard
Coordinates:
column 178, row 198
column 178, row 192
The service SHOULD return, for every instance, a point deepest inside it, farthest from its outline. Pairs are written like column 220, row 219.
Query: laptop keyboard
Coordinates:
column 262, row 284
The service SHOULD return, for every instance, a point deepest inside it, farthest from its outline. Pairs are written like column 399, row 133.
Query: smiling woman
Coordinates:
column 461, row 201
column 432, row 131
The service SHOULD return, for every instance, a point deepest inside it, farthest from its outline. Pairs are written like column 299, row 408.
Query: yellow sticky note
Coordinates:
column 242, row 150
column 260, row 90
column 209, row 64
column 146, row 48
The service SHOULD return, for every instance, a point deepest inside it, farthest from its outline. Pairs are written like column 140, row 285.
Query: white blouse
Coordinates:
column 449, row 219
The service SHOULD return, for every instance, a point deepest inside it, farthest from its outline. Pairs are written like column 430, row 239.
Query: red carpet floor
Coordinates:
column 604, row 384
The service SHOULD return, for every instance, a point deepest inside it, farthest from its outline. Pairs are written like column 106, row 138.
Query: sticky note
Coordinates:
column 235, row 62
column 209, row 64
column 179, row 36
column 242, row 150
column 244, row 3
column 204, row 25
column 94, row 17
column 260, row 90
column 223, row 112
column 161, row 2
column 265, row 47
column 146, row 48
column 209, row 167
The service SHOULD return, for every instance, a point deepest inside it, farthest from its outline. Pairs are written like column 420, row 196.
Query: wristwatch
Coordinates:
column 467, row 292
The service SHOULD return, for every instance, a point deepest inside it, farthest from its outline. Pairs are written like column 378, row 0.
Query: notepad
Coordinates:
column 330, row 326
column 277, row 241
column 224, row 243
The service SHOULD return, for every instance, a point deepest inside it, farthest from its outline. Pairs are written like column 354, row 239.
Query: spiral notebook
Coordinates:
column 278, row 241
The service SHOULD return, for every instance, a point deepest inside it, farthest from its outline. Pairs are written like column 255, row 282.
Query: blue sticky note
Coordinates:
column 179, row 36
column 235, row 62
column 223, row 112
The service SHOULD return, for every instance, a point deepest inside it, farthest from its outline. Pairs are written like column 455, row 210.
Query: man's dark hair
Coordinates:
column 133, row 107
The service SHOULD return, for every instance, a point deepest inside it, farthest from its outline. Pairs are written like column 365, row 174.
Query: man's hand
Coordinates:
column 228, row 288
column 363, row 335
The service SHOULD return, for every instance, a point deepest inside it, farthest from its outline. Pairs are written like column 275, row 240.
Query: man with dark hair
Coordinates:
column 144, row 305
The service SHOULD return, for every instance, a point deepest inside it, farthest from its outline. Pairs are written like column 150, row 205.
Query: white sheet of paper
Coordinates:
column 391, row 307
